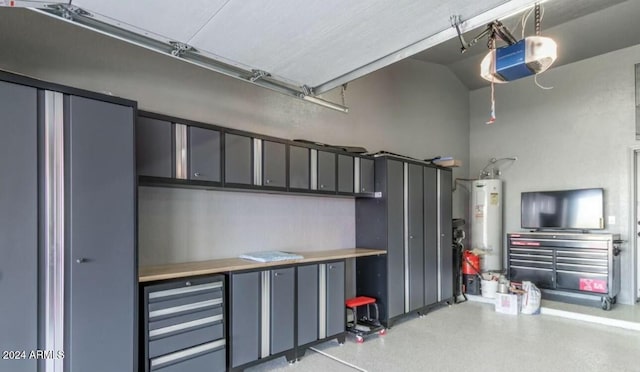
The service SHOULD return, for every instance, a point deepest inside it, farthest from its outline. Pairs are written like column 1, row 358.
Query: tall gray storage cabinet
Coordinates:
column 67, row 227
column 412, row 221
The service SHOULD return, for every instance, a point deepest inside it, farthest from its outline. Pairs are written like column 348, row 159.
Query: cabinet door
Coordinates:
column 335, row 298
column 446, row 251
column 299, row 168
column 204, row 154
column 366, row 175
column 101, row 236
column 282, row 310
column 395, row 227
column 430, row 235
column 238, row 161
column 245, row 318
column 345, row 174
column 18, row 223
column 307, row 304
column 416, row 238
column 326, row 171
column 274, row 164
column 154, row 150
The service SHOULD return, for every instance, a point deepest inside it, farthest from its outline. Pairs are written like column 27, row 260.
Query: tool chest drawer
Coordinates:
column 206, row 357
column 181, row 316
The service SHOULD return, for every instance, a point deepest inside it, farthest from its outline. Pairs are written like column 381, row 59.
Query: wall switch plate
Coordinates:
column 611, row 220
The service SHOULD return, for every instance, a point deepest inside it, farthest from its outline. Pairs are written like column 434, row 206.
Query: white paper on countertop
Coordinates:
column 270, row 256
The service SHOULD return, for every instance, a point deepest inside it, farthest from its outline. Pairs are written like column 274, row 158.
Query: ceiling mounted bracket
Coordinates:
column 493, row 30
column 179, row 49
column 68, row 11
column 307, row 90
column 258, row 74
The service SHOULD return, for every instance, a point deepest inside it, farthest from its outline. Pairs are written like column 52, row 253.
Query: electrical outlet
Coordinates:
column 611, row 220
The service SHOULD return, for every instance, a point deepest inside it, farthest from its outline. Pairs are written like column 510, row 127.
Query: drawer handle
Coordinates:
column 530, row 268
column 322, row 186
column 81, row 260
column 277, row 274
column 580, row 273
column 197, row 174
column 186, row 353
column 186, row 325
column 182, row 308
column 188, row 284
column 580, row 265
column 188, row 289
column 267, row 182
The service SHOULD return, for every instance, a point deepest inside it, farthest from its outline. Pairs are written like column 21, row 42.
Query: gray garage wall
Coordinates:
column 412, row 108
column 579, row 134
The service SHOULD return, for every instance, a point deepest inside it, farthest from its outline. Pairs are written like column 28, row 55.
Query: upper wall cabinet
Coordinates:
column 274, row 164
column 205, row 160
column 326, row 171
column 173, row 151
column 345, row 174
column 154, row 150
column 366, row 176
column 238, row 159
column 299, row 168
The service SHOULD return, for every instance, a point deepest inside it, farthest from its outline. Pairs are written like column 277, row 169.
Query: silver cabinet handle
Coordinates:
column 267, row 182
column 410, row 236
column 276, row 274
column 331, row 267
column 322, row 186
column 81, row 260
column 363, row 189
column 188, row 284
column 197, row 174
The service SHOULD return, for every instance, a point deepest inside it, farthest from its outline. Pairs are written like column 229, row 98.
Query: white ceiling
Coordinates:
column 582, row 29
column 317, row 43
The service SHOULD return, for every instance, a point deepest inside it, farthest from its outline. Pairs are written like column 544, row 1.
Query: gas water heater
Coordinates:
column 486, row 223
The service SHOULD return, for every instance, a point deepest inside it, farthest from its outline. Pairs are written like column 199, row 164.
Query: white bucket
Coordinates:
column 489, row 288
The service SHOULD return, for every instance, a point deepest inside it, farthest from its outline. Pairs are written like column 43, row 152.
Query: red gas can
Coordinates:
column 470, row 263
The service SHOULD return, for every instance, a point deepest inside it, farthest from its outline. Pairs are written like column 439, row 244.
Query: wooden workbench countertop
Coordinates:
column 181, row 270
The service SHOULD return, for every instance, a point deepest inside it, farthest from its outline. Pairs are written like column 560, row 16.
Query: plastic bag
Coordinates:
column 530, row 299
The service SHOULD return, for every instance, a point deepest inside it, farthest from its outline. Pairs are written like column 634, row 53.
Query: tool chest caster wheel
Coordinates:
column 359, row 339
column 382, row 332
column 606, row 303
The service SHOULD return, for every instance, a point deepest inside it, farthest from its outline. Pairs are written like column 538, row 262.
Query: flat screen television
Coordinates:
column 581, row 209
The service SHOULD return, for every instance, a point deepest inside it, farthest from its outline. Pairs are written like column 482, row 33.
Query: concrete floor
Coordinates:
column 471, row 336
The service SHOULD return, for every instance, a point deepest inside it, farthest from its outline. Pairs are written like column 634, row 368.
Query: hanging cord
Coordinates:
column 525, row 17
column 492, row 46
column 492, row 117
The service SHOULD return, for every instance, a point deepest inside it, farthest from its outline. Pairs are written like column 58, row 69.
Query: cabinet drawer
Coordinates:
column 582, row 268
column 187, row 303
column 178, row 338
column 531, row 263
column 163, row 292
column 185, row 318
column 531, row 251
column 208, row 357
column 541, row 277
column 591, row 254
column 582, row 261
column 580, row 281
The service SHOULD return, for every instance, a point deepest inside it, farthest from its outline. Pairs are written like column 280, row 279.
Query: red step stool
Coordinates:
column 366, row 325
